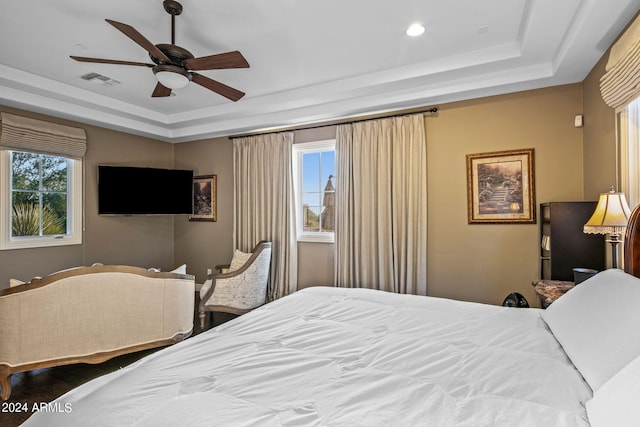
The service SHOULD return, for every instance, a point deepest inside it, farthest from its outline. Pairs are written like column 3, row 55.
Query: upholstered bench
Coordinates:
column 89, row 315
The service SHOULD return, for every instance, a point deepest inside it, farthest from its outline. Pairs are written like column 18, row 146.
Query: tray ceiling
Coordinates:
column 309, row 61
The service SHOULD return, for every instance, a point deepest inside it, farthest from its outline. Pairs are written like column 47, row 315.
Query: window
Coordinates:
column 629, row 140
column 314, row 175
column 41, row 203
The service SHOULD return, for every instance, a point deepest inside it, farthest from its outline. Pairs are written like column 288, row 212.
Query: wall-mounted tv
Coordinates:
column 128, row 190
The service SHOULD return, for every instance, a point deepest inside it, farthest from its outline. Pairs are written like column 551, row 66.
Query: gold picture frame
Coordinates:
column 501, row 187
column 204, row 198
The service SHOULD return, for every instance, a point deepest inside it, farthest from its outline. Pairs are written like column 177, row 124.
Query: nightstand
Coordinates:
column 550, row 290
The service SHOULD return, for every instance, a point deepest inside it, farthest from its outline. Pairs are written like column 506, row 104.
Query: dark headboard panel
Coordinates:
column 632, row 244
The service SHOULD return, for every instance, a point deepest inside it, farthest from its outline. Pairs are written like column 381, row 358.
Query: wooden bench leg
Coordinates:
column 5, row 382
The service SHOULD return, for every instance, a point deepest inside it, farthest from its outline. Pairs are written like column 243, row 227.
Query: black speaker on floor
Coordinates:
column 515, row 300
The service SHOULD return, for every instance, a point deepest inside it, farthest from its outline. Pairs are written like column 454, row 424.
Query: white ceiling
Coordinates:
column 310, row 61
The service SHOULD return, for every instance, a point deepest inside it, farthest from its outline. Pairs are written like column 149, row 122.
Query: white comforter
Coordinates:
column 346, row 357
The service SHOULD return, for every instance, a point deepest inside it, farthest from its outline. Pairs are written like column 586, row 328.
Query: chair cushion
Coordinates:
column 205, row 287
column 180, row 270
column 239, row 259
column 15, row 282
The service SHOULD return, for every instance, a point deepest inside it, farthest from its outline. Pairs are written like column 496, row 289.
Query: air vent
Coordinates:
column 100, row 80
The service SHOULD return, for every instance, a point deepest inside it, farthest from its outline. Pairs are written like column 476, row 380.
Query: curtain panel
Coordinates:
column 263, row 204
column 381, row 205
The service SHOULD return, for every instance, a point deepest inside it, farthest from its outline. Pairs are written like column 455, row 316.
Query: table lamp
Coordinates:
column 610, row 217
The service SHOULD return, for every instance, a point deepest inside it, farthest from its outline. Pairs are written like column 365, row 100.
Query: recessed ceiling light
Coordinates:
column 415, row 30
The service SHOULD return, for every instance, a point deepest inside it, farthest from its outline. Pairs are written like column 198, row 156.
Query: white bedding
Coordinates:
column 346, row 357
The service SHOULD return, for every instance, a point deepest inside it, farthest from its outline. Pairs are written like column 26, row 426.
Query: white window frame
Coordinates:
column 299, row 149
column 628, row 132
column 74, row 209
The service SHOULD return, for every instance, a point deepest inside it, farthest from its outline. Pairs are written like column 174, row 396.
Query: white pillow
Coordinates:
column 205, row 287
column 597, row 324
column 616, row 402
column 180, row 270
column 239, row 259
column 15, row 282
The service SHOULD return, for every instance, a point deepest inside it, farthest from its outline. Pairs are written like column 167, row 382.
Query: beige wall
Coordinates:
column 485, row 262
column 599, row 137
column 140, row 241
column 203, row 245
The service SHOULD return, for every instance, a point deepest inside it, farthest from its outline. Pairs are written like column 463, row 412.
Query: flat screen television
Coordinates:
column 128, row 190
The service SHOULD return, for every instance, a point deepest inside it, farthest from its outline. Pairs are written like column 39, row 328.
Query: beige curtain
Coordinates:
column 263, row 204
column 381, row 205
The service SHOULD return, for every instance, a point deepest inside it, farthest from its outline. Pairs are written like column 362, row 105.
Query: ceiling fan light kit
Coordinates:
column 173, row 64
column 171, row 77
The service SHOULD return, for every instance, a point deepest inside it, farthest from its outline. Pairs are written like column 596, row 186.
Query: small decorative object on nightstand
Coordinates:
column 550, row 290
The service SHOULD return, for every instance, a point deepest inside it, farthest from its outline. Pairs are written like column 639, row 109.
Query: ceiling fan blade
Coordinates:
column 217, row 87
column 109, row 61
column 134, row 35
column 161, row 91
column 217, row 62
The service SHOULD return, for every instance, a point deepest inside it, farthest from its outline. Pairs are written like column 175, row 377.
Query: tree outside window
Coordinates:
column 39, row 192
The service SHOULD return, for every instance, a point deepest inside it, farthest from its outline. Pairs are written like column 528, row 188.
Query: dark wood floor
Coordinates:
column 44, row 385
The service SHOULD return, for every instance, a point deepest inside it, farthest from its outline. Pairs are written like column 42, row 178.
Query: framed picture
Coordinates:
column 501, row 188
column 204, row 198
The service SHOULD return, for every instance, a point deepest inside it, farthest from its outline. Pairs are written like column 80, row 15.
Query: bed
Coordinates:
column 356, row 357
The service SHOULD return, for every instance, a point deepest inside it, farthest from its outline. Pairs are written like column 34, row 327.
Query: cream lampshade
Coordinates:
column 610, row 217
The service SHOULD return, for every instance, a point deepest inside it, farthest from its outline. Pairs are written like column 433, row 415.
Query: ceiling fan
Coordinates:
column 173, row 65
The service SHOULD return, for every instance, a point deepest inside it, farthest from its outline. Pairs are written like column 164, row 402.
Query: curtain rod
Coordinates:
column 429, row 110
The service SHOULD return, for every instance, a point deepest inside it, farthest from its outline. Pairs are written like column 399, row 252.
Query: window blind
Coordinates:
column 621, row 81
column 39, row 136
